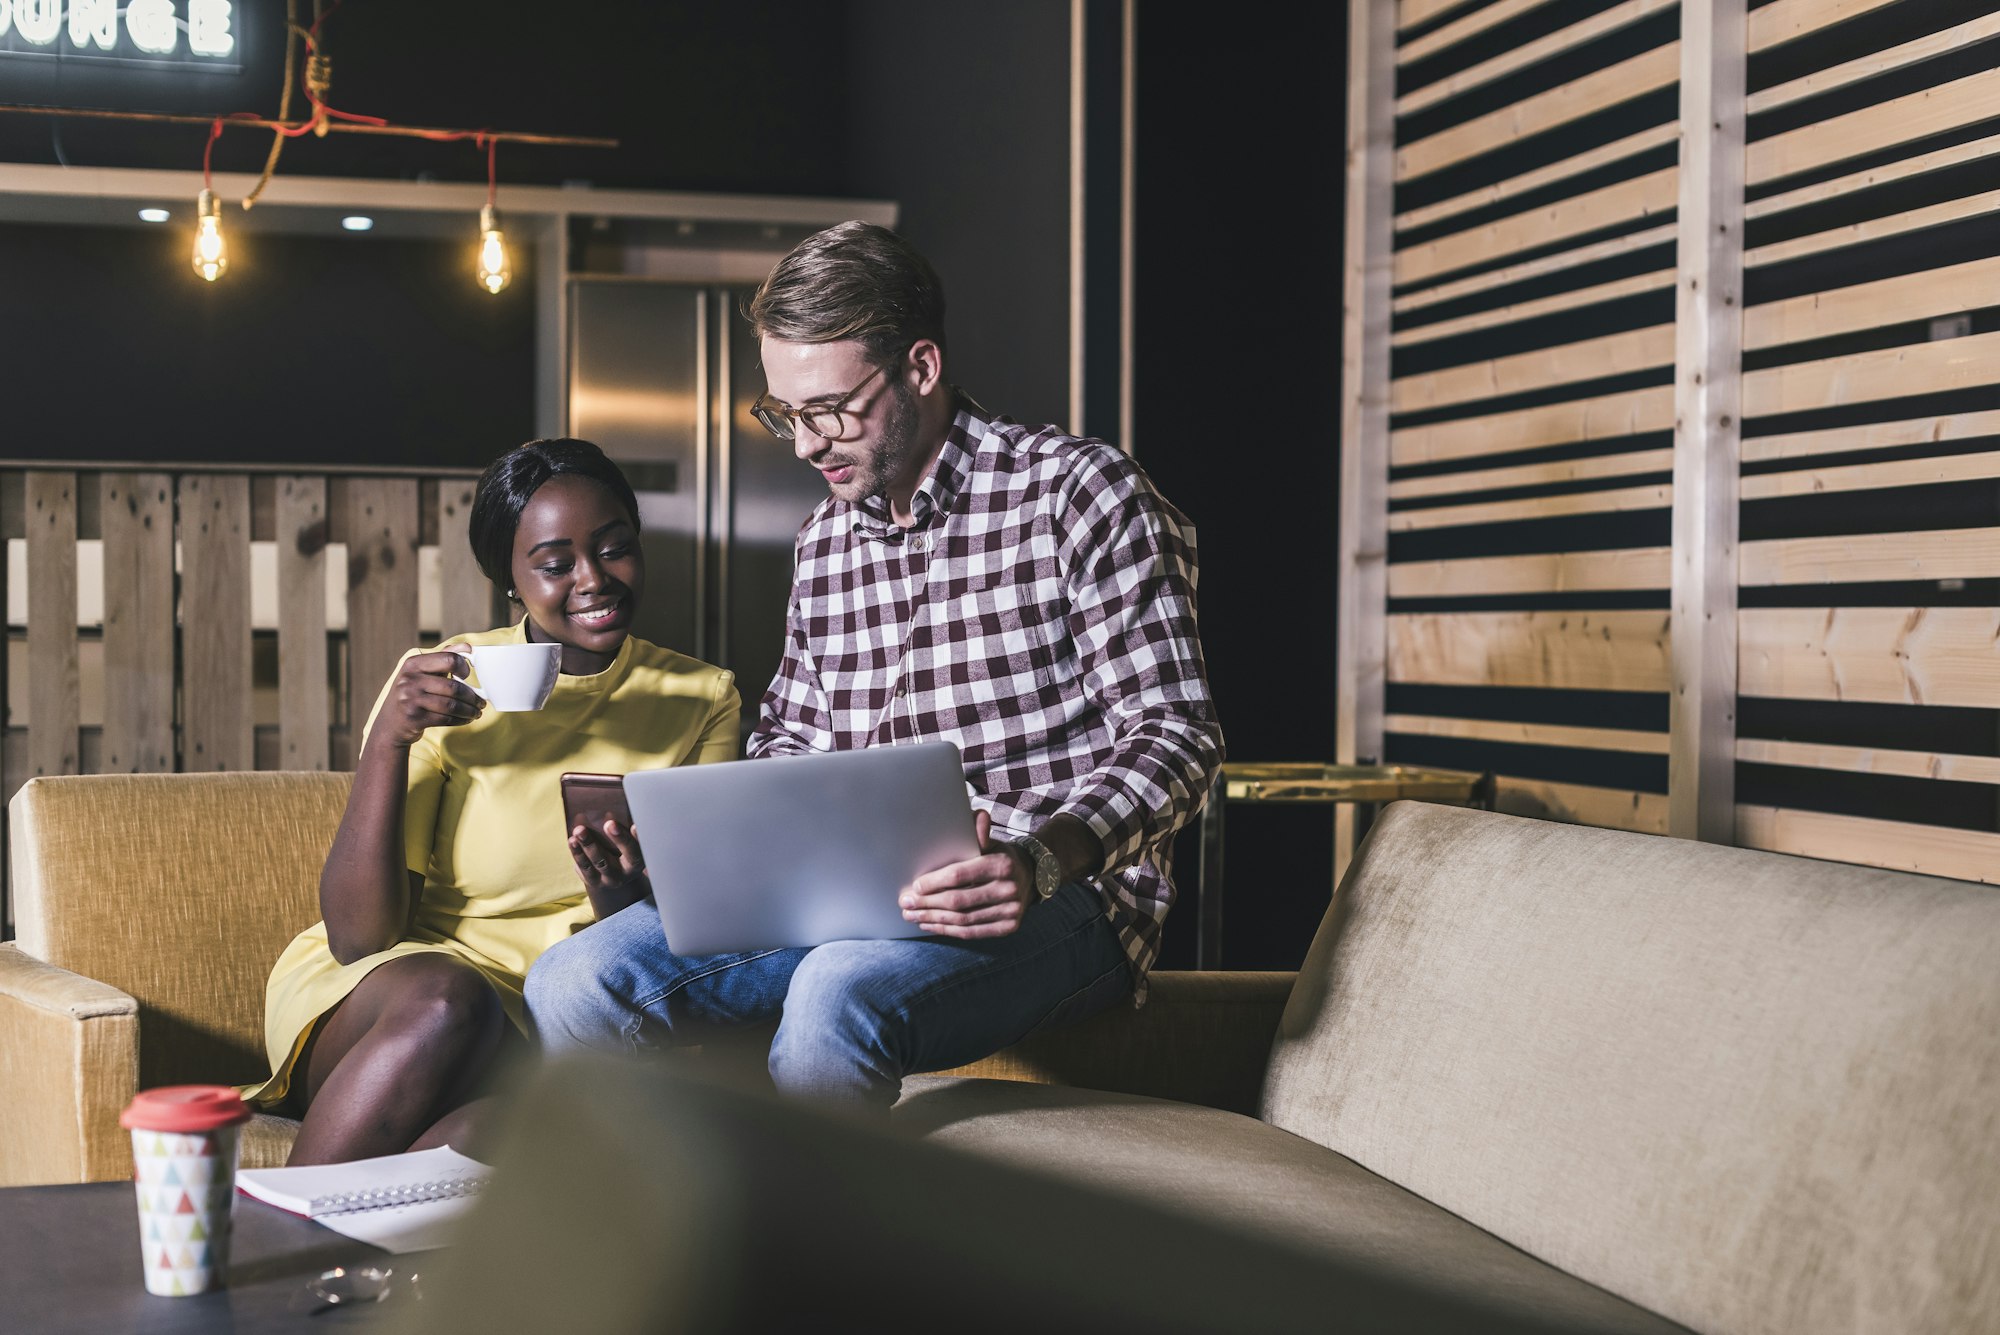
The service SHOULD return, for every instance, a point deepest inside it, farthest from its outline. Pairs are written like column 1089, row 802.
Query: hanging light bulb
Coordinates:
column 211, row 258
column 493, row 271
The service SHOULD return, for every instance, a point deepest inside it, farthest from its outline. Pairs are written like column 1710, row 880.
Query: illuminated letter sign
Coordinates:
column 150, row 24
column 150, row 34
column 208, row 28
column 93, row 22
column 38, row 21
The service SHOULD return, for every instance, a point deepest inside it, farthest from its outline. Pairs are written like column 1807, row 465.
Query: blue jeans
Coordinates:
column 856, row 1016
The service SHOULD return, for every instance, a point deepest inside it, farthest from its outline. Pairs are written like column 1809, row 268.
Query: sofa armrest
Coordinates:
column 69, row 1063
column 1201, row 1037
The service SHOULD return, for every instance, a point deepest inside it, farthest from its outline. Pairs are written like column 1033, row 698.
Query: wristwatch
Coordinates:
column 1048, row 871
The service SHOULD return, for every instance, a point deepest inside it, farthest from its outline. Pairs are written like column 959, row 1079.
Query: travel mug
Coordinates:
column 184, row 1143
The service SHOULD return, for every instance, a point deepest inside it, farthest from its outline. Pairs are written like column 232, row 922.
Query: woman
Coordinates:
column 450, row 872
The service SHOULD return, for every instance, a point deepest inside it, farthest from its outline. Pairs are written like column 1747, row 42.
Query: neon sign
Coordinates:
column 152, row 31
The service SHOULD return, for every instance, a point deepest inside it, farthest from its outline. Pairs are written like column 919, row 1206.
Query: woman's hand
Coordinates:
column 608, row 859
column 426, row 693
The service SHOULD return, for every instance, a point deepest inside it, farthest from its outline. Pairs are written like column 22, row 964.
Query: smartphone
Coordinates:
column 589, row 798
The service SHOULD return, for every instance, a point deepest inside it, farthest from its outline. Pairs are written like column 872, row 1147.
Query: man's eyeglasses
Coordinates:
column 828, row 421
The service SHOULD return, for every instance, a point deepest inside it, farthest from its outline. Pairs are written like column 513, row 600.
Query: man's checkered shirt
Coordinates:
column 1038, row 611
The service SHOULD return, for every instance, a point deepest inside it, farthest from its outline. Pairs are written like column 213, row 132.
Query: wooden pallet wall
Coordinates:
column 1671, row 493
column 167, row 664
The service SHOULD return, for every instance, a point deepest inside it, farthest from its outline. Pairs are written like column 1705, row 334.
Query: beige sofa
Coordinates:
column 1533, row 1075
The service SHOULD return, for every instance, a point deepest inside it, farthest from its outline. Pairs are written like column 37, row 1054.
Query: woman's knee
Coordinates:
column 443, row 1004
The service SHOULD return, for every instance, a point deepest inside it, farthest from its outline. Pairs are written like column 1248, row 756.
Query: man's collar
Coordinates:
column 940, row 489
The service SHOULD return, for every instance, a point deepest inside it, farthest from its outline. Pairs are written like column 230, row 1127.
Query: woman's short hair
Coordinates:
column 511, row 480
column 853, row 280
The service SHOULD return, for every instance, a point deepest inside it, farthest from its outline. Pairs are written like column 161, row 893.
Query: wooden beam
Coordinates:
column 1409, row 13
column 1708, row 316
column 1869, row 477
column 1876, row 655
column 382, row 536
column 1459, row 29
column 466, row 597
column 1872, row 436
column 1934, row 850
column 1786, row 20
column 1640, row 197
column 1616, row 151
column 54, row 704
column 305, row 704
column 1923, row 295
column 1605, row 651
column 1607, row 417
column 1533, row 475
column 1876, row 62
column 1531, row 53
column 1646, row 72
column 1656, row 496
column 1860, row 558
column 1885, row 373
column 137, row 511
column 1869, row 177
column 216, row 672
column 1542, row 572
column 1658, row 281
column 1543, row 368
column 1530, row 734
column 1581, row 804
column 1869, row 760
column 1359, row 627
column 1536, row 268
column 1898, row 121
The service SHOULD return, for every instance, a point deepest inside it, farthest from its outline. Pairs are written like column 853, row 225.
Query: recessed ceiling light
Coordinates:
column 153, row 215
column 357, row 223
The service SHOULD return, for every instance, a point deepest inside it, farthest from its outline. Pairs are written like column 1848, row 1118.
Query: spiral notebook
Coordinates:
column 400, row 1202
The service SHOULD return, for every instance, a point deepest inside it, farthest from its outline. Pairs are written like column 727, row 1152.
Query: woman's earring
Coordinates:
column 511, row 598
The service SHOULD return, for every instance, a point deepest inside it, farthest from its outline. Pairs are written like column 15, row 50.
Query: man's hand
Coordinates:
column 980, row 897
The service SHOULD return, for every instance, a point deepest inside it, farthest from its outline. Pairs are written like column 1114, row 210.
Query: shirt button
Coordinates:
column 902, row 688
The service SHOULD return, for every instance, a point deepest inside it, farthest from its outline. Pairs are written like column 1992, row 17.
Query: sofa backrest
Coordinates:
column 179, row 889
column 1747, row 1091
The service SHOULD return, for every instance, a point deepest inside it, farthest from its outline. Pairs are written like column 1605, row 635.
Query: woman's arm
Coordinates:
column 367, row 894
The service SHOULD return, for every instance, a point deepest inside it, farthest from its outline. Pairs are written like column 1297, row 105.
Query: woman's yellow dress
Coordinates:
column 483, row 825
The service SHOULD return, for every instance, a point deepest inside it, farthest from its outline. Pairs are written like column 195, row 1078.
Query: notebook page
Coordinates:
column 404, row 1228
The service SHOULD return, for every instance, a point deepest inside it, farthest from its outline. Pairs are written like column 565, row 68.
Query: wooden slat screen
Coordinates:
column 1530, row 463
column 164, row 620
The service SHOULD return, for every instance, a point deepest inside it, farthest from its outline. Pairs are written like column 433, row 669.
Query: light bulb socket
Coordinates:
column 489, row 218
column 206, row 205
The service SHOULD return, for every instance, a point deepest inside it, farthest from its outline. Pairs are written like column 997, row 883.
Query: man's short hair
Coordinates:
column 853, row 280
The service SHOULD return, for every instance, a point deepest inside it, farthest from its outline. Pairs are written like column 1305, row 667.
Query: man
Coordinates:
column 1023, row 593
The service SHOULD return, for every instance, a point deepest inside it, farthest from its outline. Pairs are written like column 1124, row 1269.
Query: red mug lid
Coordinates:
column 184, row 1109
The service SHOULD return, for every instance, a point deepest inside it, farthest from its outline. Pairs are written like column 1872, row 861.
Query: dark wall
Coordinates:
column 310, row 350
column 960, row 110
column 1237, row 265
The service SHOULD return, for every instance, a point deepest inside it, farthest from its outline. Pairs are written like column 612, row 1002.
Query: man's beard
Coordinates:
column 896, row 448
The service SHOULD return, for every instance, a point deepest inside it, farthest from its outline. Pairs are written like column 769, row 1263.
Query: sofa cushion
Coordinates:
column 1748, row 1091
column 1233, row 1170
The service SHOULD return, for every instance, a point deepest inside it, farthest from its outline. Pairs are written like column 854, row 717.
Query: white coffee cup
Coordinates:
column 513, row 678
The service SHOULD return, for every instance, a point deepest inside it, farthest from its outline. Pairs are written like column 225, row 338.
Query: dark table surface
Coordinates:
column 69, row 1261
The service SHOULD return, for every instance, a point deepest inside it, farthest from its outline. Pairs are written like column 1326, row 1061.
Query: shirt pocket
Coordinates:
column 1001, row 630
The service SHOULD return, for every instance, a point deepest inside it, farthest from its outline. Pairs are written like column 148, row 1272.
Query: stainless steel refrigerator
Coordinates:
column 662, row 376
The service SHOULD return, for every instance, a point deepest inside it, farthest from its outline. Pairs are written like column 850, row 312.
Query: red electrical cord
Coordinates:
column 480, row 138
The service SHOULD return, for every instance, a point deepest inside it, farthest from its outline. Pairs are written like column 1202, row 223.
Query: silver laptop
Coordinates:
column 798, row 850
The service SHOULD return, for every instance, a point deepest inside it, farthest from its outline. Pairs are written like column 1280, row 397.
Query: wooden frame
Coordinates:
column 1708, row 416
column 1360, row 635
